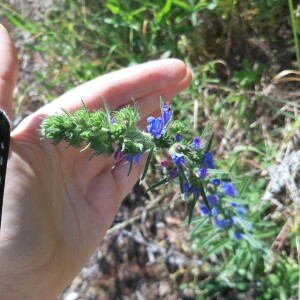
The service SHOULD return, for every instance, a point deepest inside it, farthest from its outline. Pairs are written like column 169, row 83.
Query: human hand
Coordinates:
column 58, row 204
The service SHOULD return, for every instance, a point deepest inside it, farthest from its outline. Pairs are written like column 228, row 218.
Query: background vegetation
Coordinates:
column 236, row 49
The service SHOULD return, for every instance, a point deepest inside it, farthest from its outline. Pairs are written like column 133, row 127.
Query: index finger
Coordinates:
column 119, row 87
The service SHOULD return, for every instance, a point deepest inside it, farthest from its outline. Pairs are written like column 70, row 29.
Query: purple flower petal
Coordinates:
column 202, row 172
column 178, row 159
column 156, row 127
column 216, row 181
column 204, row 209
column 173, row 173
column 212, row 200
column 238, row 235
column 196, row 143
column 208, row 160
column 166, row 113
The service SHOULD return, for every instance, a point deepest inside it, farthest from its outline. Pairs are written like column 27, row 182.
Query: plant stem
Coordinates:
column 294, row 29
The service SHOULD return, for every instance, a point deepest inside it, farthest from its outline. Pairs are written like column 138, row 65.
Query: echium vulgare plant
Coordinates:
column 189, row 162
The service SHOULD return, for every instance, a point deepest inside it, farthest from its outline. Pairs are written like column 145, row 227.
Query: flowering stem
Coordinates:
column 188, row 162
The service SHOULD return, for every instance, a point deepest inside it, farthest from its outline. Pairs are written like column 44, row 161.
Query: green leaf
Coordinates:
column 202, row 192
column 107, row 110
column 147, row 163
column 182, row 179
column 241, row 148
column 158, row 183
column 113, row 8
column 245, row 185
column 266, row 233
column 210, row 238
column 192, row 207
column 255, row 243
column 130, row 166
column 202, row 227
column 181, row 183
column 210, row 142
column 184, row 5
column 233, row 164
column 217, row 246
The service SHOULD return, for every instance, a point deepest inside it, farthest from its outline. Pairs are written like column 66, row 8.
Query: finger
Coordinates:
column 149, row 104
column 117, row 184
column 8, row 71
column 120, row 87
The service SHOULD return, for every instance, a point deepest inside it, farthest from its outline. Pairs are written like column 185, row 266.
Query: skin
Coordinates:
column 57, row 204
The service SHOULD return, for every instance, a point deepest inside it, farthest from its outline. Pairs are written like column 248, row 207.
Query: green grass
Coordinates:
column 78, row 40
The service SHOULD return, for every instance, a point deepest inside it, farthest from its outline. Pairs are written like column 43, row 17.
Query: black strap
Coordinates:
column 4, row 147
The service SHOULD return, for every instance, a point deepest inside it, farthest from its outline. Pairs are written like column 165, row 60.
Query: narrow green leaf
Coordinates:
column 192, row 207
column 211, row 237
column 241, row 148
column 266, row 233
column 202, row 192
column 210, row 142
column 147, row 163
column 130, row 167
column 182, row 180
column 201, row 230
column 217, row 246
column 233, row 164
column 181, row 171
column 205, row 132
column 245, row 184
column 83, row 104
column 199, row 226
column 255, row 243
column 184, row 5
column 158, row 183
column 107, row 110
column 181, row 183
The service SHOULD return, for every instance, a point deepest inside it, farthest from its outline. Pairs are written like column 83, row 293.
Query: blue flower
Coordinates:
column 241, row 210
column 186, row 187
column 178, row 138
column 204, row 209
column 229, row 189
column 221, row 223
column 178, row 159
column 196, row 143
column 238, row 235
column 202, row 172
column 196, row 191
column 216, row 181
column 166, row 113
column 173, row 173
column 156, row 127
column 212, row 200
column 214, row 211
column 208, row 160
column 135, row 158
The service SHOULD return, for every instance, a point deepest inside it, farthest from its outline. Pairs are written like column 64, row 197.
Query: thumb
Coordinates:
column 9, row 66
